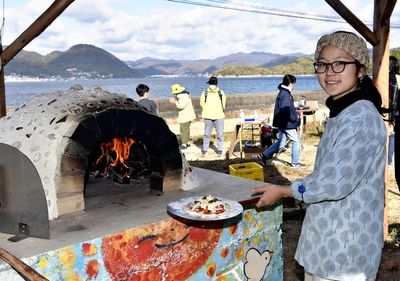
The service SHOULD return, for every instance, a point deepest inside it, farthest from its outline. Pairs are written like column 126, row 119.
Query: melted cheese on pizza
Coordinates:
column 207, row 206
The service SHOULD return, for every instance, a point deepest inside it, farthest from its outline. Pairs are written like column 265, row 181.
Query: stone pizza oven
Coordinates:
column 58, row 132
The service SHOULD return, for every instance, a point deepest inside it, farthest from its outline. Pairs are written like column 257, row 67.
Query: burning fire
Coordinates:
column 115, row 152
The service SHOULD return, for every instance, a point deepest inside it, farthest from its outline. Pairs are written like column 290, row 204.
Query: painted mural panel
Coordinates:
column 245, row 248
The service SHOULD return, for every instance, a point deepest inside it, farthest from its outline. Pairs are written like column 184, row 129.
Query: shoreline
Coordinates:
column 27, row 78
column 264, row 76
column 235, row 101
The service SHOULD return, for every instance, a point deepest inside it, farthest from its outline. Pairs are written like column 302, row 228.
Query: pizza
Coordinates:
column 207, row 206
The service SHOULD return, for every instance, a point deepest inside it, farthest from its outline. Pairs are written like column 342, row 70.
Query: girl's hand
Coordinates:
column 271, row 193
column 172, row 100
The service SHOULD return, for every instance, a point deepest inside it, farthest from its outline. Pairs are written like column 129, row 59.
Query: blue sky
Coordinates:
column 133, row 29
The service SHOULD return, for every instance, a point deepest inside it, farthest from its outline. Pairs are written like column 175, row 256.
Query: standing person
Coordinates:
column 213, row 102
column 342, row 232
column 394, row 75
column 287, row 121
column 394, row 97
column 186, row 113
column 143, row 92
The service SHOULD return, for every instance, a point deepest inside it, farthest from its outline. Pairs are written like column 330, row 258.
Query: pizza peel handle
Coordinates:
column 250, row 201
column 22, row 268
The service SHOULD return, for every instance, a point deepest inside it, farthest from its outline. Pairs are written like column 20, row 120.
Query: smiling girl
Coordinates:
column 342, row 232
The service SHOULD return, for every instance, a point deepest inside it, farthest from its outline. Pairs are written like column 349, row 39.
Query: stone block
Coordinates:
column 70, row 204
column 69, row 184
column 70, row 164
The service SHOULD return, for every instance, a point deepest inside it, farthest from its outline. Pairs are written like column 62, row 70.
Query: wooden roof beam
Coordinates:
column 34, row 30
column 388, row 10
column 352, row 19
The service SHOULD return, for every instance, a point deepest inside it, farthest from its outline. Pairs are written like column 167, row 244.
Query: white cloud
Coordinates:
column 169, row 30
column 87, row 11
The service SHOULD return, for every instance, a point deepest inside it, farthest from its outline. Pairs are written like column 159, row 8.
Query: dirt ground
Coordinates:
column 280, row 173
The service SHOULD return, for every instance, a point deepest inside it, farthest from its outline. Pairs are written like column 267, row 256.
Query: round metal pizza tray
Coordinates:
column 177, row 208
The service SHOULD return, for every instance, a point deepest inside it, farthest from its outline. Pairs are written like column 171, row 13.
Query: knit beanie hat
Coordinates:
column 351, row 43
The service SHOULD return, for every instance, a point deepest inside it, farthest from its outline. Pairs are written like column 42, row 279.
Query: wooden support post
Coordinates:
column 388, row 10
column 3, row 109
column 381, row 75
column 381, row 52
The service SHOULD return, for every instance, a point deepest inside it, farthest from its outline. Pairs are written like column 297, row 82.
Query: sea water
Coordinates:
column 22, row 91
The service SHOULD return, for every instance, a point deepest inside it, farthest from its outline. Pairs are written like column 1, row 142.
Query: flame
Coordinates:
column 117, row 147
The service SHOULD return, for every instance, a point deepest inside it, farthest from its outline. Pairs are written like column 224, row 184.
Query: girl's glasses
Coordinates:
column 336, row 66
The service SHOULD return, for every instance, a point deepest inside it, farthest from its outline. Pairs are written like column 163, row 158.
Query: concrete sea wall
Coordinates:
column 235, row 102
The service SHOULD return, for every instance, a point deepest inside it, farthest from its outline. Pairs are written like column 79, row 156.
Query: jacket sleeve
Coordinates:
column 202, row 98
column 344, row 162
column 183, row 101
column 293, row 114
column 223, row 100
column 154, row 108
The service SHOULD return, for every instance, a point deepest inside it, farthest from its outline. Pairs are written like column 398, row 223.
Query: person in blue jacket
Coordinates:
column 286, row 120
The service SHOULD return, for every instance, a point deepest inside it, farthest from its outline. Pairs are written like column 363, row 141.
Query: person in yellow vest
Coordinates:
column 186, row 113
column 213, row 102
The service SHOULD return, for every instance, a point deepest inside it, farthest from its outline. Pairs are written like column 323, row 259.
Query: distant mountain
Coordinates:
column 255, row 63
column 299, row 66
column 151, row 66
column 88, row 61
column 80, row 61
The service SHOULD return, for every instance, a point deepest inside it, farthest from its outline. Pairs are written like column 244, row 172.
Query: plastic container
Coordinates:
column 250, row 119
column 251, row 144
column 250, row 170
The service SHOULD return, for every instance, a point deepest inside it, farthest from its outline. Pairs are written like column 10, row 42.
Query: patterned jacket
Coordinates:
column 342, row 233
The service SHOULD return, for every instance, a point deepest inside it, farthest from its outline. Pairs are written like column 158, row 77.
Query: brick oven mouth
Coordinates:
column 123, row 161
